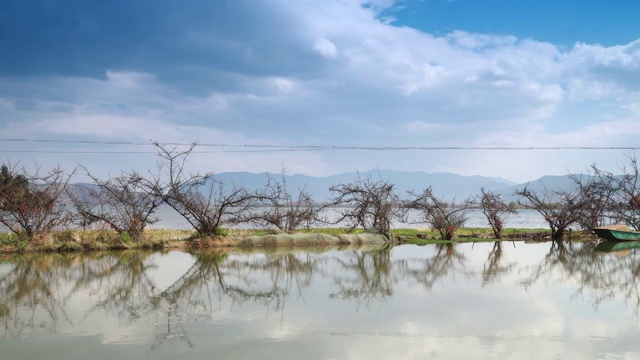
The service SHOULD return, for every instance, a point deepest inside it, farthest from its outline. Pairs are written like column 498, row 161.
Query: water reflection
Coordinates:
column 159, row 299
column 445, row 260
column 496, row 265
column 601, row 276
column 365, row 277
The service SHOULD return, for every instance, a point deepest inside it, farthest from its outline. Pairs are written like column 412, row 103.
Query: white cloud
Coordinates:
column 480, row 41
column 587, row 89
column 384, row 85
column 325, row 48
column 283, row 85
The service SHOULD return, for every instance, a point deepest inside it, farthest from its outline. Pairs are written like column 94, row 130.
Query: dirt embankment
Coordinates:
column 282, row 240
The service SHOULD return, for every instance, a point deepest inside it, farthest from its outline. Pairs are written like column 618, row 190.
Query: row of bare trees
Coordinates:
column 127, row 203
column 598, row 198
column 31, row 204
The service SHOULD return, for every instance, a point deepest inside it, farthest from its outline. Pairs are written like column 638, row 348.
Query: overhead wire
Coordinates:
column 248, row 148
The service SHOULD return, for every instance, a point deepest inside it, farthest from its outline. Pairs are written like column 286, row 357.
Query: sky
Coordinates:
column 321, row 87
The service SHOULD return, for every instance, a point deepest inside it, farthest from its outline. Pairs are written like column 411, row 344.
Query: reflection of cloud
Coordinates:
column 125, row 334
column 4, row 269
column 174, row 265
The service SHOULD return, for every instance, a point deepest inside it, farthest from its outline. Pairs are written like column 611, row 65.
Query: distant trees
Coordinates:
column 495, row 210
column 370, row 204
column 125, row 203
column 29, row 201
column 443, row 216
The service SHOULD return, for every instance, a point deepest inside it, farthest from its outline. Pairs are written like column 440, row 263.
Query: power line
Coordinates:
column 84, row 142
column 281, row 148
column 333, row 148
column 153, row 152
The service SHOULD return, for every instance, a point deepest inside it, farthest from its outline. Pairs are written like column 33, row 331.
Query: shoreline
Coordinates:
column 186, row 240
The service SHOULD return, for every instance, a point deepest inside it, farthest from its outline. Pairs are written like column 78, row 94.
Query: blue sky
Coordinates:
column 346, row 73
column 561, row 22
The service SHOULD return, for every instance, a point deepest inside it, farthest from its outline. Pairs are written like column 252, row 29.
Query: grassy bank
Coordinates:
column 420, row 236
column 101, row 240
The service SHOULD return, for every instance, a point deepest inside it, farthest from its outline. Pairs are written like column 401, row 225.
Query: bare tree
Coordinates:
column 204, row 201
column 559, row 208
column 443, row 216
column 628, row 194
column 600, row 199
column 29, row 201
column 125, row 203
column 495, row 210
column 616, row 198
column 368, row 203
column 283, row 210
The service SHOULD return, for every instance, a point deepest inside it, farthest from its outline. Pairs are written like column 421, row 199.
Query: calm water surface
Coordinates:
column 486, row 301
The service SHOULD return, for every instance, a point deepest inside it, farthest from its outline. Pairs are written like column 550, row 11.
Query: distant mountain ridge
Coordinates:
column 447, row 185
column 549, row 182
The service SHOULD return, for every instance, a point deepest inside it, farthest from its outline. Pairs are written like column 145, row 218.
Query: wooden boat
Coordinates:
column 617, row 247
column 617, row 233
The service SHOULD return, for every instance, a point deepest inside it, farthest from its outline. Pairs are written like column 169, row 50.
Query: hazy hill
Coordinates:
column 449, row 186
column 445, row 184
column 77, row 190
column 550, row 182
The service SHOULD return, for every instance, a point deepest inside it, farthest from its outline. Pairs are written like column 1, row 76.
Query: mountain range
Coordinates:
column 446, row 185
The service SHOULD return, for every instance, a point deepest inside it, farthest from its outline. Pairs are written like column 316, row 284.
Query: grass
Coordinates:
column 101, row 240
column 84, row 240
column 426, row 236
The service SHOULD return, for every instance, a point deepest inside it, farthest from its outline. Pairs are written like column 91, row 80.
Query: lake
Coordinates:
column 485, row 300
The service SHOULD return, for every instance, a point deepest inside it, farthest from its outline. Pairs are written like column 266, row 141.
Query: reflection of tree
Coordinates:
column 34, row 291
column 600, row 275
column 32, row 294
column 494, row 266
column 559, row 258
column 215, row 274
column 446, row 260
column 217, row 278
column 170, row 328
column 364, row 276
column 119, row 282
